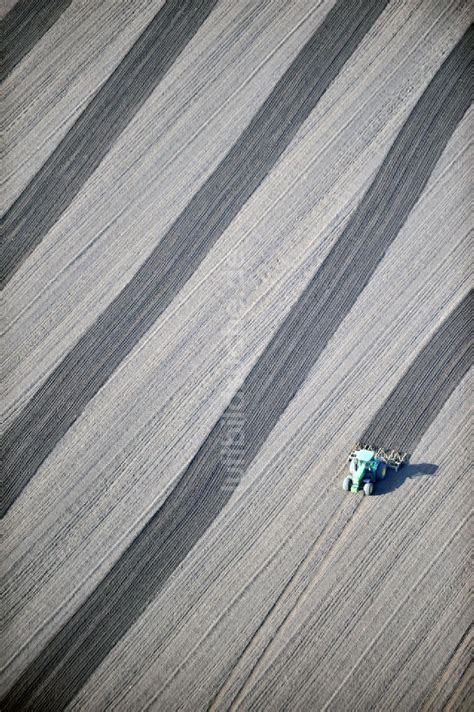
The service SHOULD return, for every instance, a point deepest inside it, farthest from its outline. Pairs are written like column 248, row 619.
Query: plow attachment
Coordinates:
column 392, row 458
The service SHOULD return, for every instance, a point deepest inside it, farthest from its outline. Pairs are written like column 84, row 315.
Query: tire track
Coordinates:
column 329, row 630
column 399, row 606
column 450, row 680
column 218, row 700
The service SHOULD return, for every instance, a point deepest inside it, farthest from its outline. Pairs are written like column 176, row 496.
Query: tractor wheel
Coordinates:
column 368, row 488
column 381, row 472
column 347, row 484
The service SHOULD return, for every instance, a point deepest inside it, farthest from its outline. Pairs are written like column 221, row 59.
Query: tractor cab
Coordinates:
column 365, row 456
column 363, row 461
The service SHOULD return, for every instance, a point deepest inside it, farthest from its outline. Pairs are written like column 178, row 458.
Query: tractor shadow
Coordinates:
column 393, row 479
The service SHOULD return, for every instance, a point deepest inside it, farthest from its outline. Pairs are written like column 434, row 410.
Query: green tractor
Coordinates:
column 368, row 464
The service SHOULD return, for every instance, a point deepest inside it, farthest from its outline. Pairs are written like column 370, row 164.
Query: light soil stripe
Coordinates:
column 23, row 26
column 206, row 485
column 77, row 156
column 85, row 369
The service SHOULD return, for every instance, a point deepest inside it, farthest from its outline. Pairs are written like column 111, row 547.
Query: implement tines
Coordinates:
column 392, row 458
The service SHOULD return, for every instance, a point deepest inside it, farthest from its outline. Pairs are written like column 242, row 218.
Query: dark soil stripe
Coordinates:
column 419, row 396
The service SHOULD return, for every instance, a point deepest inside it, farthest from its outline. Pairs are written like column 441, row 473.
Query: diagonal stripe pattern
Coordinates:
column 74, row 653
column 80, row 152
column 439, row 367
column 23, row 26
column 85, row 369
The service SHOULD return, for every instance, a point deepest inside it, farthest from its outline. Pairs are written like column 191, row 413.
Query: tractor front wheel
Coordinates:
column 368, row 488
column 347, row 484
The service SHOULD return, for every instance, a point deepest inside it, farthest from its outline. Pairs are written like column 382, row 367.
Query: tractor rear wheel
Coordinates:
column 381, row 472
column 347, row 484
column 368, row 488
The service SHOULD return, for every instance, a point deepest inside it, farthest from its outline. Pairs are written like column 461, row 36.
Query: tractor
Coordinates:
column 368, row 464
